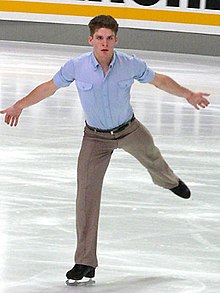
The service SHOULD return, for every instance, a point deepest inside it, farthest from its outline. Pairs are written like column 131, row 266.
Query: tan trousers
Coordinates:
column 93, row 161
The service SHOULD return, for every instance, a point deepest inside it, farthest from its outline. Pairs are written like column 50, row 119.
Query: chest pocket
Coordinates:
column 125, row 84
column 124, row 87
column 84, row 86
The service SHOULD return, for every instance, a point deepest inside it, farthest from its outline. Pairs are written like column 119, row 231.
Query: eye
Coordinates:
column 99, row 38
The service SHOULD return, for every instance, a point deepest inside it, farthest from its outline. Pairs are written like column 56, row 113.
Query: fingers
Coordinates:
column 7, row 119
column 203, row 102
column 199, row 101
column 16, row 122
column 12, row 115
column 11, row 120
column 205, row 94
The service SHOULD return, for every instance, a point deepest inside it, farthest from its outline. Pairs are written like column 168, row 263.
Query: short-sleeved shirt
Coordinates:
column 105, row 99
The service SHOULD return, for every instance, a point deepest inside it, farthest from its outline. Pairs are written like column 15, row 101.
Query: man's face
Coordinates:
column 103, row 42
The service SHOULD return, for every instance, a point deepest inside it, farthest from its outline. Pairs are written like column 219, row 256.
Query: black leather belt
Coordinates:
column 113, row 130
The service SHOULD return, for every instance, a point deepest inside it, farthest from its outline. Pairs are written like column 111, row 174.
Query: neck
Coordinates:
column 105, row 61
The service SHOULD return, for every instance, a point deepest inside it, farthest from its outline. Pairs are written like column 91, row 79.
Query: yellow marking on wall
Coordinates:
column 117, row 12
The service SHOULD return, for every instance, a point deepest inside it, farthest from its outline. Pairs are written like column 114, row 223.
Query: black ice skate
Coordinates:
column 181, row 190
column 77, row 273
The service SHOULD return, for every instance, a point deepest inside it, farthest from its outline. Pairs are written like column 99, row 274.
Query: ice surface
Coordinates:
column 149, row 240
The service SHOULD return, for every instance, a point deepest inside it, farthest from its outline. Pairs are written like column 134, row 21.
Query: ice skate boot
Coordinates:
column 77, row 273
column 181, row 190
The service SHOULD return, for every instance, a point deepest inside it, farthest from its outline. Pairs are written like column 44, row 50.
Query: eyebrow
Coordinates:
column 109, row 36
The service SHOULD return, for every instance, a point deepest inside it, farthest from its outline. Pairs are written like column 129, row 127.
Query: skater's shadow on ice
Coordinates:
column 132, row 284
column 137, row 284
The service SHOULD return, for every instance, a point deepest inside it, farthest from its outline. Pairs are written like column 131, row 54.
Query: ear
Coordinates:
column 116, row 40
column 90, row 40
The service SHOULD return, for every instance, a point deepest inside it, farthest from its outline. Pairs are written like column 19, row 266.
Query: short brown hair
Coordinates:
column 100, row 21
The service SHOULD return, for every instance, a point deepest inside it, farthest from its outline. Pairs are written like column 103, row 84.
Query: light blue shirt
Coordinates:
column 105, row 99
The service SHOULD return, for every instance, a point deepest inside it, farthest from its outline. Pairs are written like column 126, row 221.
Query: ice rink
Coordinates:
column 150, row 241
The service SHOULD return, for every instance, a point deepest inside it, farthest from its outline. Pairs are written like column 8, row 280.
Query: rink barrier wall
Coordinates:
column 140, row 39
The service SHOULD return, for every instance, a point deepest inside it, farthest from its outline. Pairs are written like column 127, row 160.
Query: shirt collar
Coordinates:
column 113, row 60
column 96, row 63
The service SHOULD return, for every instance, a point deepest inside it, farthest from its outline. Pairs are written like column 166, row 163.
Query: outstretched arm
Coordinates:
column 41, row 92
column 196, row 99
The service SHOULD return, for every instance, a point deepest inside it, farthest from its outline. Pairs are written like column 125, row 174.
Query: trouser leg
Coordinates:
column 140, row 144
column 93, row 161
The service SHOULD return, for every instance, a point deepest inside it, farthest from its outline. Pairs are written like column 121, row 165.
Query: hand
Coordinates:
column 12, row 115
column 198, row 100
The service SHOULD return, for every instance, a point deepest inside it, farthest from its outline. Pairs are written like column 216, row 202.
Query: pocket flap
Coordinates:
column 84, row 86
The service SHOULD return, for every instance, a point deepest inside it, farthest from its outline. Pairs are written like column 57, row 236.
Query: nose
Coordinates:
column 105, row 43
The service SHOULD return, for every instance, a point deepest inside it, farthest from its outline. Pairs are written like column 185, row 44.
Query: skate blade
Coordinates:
column 90, row 282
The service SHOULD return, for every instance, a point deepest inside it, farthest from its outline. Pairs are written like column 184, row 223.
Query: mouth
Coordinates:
column 104, row 50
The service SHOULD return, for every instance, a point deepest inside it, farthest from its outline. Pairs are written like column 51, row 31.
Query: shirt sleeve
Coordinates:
column 143, row 73
column 66, row 75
